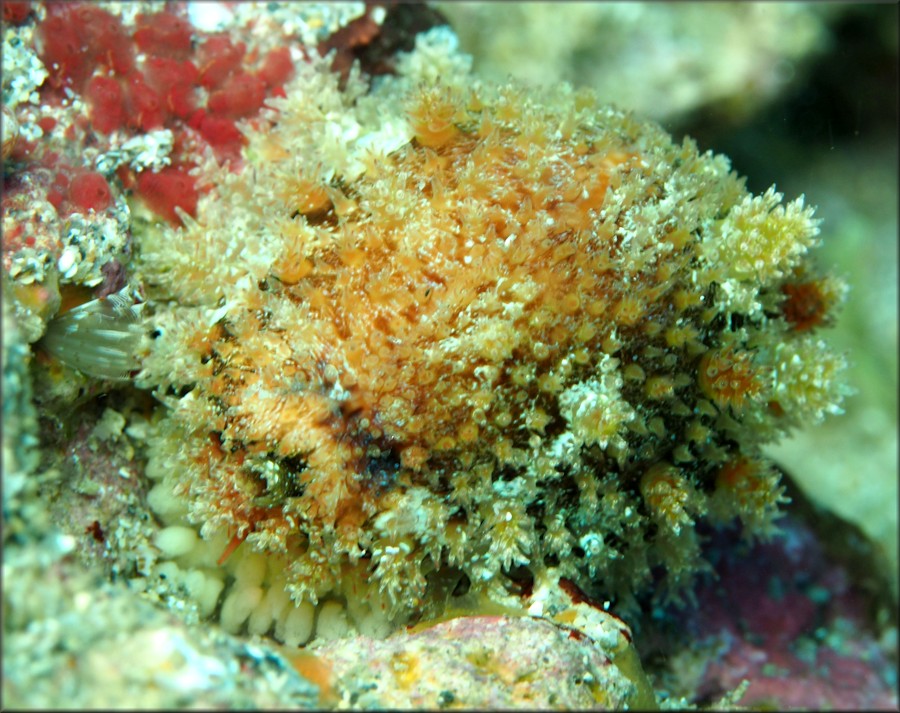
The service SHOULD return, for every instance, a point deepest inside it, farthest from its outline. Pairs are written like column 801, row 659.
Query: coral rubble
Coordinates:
column 477, row 662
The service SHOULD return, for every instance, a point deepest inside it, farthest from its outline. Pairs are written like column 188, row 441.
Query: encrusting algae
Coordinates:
column 445, row 334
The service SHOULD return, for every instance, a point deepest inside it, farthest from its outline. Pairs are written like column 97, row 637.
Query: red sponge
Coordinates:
column 107, row 108
column 90, row 191
column 163, row 34
column 75, row 38
column 277, row 67
column 217, row 59
column 174, row 81
column 167, row 189
column 241, row 95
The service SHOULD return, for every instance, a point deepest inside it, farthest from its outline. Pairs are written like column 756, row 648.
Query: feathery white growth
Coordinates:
column 435, row 57
column 762, row 240
column 595, row 409
column 809, row 379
